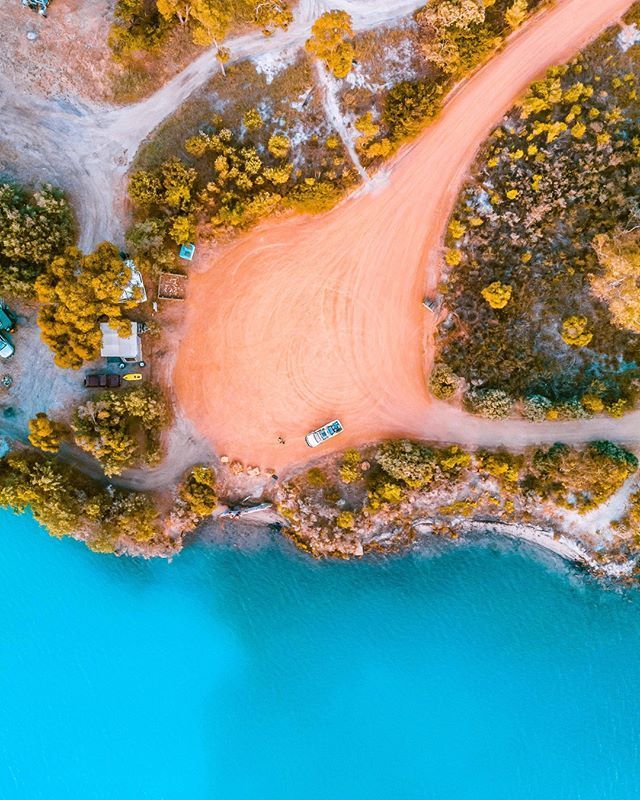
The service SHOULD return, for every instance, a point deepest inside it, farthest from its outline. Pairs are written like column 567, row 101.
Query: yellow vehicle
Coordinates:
column 133, row 376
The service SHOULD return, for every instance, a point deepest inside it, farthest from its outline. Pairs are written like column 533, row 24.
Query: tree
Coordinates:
column 198, row 491
column 618, row 285
column 273, row 14
column 76, row 292
column 516, row 14
column 331, row 42
column 34, row 228
column 497, row 294
column 46, row 434
column 279, row 145
column 444, row 28
column 121, row 427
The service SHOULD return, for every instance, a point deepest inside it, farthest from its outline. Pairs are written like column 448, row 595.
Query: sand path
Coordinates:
column 313, row 318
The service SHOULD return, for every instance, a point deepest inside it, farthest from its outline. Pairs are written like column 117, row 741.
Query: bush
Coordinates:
column 350, row 468
column 490, row 403
column 409, row 106
column 442, row 382
column 411, row 462
column 536, row 407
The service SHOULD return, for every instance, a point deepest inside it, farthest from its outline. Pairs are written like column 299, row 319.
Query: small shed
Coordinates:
column 187, row 251
column 115, row 346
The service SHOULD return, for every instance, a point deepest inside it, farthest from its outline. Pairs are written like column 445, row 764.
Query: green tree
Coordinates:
column 331, row 42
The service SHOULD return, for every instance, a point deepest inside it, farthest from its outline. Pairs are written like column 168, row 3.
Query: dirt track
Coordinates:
column 315, row 318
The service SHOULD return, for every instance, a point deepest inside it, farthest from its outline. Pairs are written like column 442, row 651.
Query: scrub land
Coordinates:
column 318, row 234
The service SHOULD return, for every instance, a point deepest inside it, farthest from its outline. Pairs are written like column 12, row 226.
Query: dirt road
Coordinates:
column 315, row 318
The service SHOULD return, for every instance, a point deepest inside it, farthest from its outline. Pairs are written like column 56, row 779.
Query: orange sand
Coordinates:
column 313, row 318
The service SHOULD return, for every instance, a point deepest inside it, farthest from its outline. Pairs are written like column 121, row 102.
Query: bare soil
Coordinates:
column 69, row 58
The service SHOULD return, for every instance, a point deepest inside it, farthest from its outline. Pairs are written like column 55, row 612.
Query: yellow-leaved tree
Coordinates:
column 575, row 331
column 331, row 42
column 497, row 294
column 46, row 434
column 76, row 292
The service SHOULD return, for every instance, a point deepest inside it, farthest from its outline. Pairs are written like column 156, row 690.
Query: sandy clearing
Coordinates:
column 311, row 318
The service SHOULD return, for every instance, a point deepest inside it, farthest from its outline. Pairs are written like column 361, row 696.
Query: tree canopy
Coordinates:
column 76, row 292
column 34, row 228
column 331, row 42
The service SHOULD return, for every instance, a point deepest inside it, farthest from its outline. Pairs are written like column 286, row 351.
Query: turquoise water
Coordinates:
column 480, row 673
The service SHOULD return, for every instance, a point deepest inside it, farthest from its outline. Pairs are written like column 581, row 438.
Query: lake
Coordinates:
column 257, row 674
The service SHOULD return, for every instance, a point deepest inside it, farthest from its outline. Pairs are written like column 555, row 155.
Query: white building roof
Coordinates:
column 115, row 346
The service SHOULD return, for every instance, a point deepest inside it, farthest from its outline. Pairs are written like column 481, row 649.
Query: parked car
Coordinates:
column 103, row 381
column 7, row 322
column 324, row 433
column 133, row 376
column 6, row 348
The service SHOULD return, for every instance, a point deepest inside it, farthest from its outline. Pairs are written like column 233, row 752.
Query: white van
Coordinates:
column 324, row 433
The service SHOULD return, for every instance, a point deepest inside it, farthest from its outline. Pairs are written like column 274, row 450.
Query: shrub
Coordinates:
column 316, row 477
column 490, row 403
column 575, row 331
column 346, row 520
column 442, row 382
column 350, row 468
column 536, row 407
column 497, row 294
column 411, row 462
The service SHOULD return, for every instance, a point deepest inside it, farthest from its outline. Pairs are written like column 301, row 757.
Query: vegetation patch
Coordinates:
column 544, row 249
column 35, row 227
column 400, row 480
